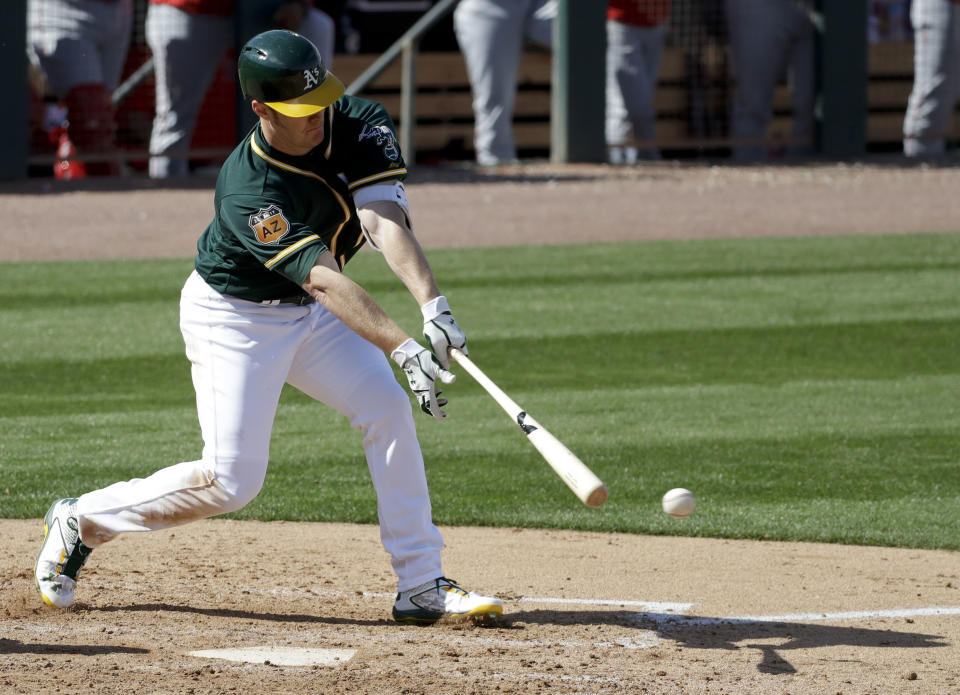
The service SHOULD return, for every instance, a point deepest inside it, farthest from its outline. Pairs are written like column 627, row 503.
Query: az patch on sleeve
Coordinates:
column 269, row 224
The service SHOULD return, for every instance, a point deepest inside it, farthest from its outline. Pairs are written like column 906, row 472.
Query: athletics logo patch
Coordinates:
column 383, row 137
column 269, row 224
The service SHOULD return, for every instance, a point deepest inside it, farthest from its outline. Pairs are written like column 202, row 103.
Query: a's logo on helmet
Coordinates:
column 311, row 77
column 269, row 224
column 383, row 137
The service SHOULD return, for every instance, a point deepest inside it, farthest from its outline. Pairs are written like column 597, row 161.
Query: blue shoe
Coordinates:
column 61, row 556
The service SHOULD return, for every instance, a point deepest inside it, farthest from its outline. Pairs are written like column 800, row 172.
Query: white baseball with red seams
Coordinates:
column 679, row 502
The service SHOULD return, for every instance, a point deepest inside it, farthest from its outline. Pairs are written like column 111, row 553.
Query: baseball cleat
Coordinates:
column 61, row 556
column 442, row 598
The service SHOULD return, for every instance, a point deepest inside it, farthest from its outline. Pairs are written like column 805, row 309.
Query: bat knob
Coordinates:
column 597, row 497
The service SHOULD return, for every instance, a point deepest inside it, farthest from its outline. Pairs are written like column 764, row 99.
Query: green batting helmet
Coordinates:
column 286, row 72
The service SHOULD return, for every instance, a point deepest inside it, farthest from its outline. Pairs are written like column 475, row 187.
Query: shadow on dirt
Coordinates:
column 11, row 646
column 770, row 638
column 239, row 614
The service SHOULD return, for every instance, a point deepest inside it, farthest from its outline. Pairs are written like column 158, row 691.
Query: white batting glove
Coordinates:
column 423, row 370
column 441, row 330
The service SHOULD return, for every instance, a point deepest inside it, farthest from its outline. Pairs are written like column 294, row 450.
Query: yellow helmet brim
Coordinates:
column 315, row 100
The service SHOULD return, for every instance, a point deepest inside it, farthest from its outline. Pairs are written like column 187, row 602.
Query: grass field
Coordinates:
column 804, row 389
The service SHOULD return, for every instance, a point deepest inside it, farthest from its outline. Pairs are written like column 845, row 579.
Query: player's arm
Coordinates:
column 350, row 303
column 387, row 226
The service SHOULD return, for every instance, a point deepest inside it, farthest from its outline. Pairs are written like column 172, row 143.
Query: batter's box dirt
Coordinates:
column 641, row 615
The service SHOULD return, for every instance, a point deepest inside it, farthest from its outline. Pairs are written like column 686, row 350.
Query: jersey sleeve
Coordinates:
column 272, row 232
column 370, row 137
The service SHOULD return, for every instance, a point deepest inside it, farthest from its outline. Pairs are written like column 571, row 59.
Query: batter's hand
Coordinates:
column 423, row 370
column 441, row 330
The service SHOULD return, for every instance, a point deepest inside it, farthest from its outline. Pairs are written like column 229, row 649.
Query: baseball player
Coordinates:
column 936, row 76
column 267, row 304
column 491, row 35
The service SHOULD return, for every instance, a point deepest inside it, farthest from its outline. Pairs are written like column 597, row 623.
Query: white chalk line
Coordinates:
column 658, row 606
column 673, row 611
column 842, row 616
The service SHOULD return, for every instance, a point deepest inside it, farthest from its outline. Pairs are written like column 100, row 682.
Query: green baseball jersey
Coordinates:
column 275, row 213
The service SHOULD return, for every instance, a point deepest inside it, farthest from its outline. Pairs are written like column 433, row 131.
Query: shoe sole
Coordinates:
column 47, row 527
column 36, row 580
column 481, row 615
column 486, row 615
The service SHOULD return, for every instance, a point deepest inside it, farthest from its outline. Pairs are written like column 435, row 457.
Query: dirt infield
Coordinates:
column 584, row 612
column 537, row 204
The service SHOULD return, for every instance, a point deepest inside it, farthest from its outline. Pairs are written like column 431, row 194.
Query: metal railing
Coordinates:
column 407, row 47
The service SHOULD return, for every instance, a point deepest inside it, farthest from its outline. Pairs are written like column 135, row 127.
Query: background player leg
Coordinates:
column 936, row 77
column 187, row 49
column 490, row 34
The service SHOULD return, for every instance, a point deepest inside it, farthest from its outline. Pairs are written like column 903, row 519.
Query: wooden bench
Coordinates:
column 444, row 102
column 445, row 115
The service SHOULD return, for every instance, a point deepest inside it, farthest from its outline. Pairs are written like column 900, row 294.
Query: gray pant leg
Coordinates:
column 764, row 37
column 187, row 49
column 802, row 82
column 936, row 76
column 320, row 28
column 633, row 62
column 538, row 23
column 490, row 34
column 114, row 42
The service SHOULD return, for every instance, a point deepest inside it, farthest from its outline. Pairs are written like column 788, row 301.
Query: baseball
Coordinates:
column 679, row 502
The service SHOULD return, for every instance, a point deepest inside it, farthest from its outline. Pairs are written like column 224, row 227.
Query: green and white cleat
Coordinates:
column 442, row 598
column 61, row 555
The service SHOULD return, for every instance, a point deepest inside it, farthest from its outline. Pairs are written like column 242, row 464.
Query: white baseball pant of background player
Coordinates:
column 182, row 79
column 241, row 354
column 767, row 37
column 78, row 42
column 936, row 76
column 491, row 34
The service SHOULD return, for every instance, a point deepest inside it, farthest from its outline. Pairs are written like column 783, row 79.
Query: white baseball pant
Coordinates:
column 242, row 353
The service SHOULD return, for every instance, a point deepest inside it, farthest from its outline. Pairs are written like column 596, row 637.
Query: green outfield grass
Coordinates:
column 804, row 389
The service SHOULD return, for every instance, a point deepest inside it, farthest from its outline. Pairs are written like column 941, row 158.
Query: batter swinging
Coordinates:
column 267, row 304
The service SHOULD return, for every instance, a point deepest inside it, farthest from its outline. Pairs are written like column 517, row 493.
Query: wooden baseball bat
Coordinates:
column 584, row 483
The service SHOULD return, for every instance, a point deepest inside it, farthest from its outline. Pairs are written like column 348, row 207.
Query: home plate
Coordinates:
column 280, row 656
